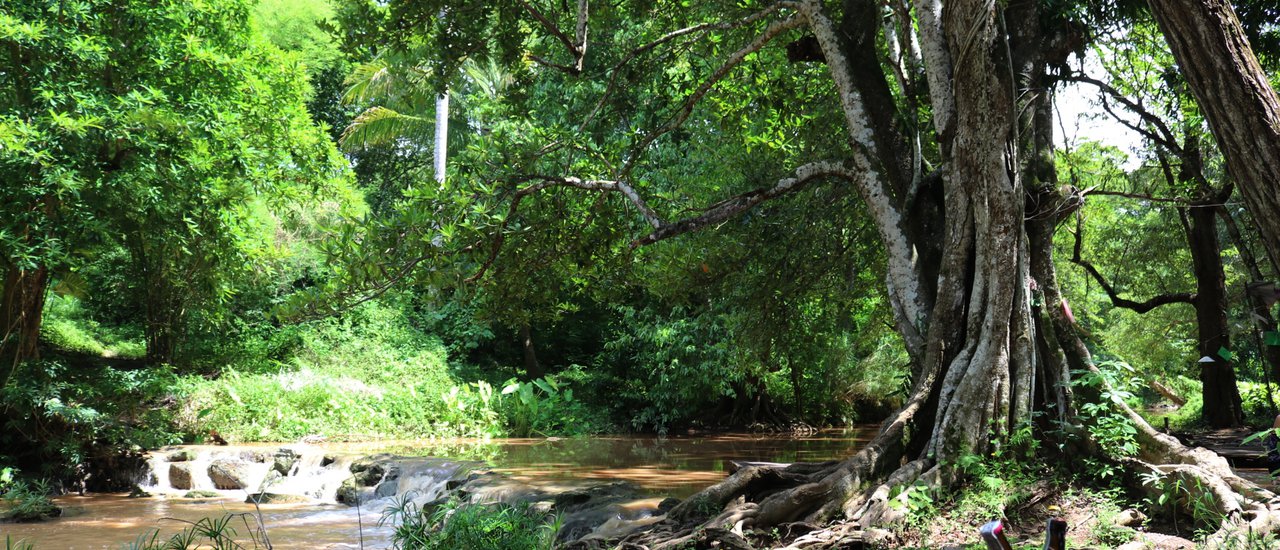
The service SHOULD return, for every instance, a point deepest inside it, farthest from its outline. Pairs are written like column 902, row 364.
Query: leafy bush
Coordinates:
column 24, row 501
column 545, row 407
column 62, row 419
column 1114, row 434
column 325, row 385
column 678, row 364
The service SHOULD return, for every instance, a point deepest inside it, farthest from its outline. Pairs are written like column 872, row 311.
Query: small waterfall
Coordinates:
column 299, row 470
column 293, row 473
column 314, row 474
column 427, row 479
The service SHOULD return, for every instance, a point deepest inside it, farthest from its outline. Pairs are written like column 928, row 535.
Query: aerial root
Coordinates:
column 886, row 504
column 841, row 535
column 1246, row 510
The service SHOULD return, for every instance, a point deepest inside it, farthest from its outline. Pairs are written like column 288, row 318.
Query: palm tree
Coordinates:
column 400, row 98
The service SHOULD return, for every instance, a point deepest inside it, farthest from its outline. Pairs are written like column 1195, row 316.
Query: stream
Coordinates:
column 659, row 466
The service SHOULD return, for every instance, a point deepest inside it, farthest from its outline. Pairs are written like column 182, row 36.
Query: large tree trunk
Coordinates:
column 981, row 316
column 21, row 310
column 1222, row 406
column 1234, row 93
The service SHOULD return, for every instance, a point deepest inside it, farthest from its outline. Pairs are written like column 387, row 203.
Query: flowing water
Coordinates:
column 670, row 466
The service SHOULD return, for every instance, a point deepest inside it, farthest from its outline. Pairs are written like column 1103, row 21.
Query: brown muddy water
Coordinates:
column 669, row 466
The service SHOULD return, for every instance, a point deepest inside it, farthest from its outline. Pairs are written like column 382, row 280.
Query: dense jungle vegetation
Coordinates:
column 270, row 220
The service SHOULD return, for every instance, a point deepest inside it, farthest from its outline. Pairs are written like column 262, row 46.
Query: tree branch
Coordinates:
column 637, row 52
column 774, row 29
column 596, row 185
column 738, row 204
column 1116, row 299
column 1137, row 196
column 574, row 49
column 1162, row 135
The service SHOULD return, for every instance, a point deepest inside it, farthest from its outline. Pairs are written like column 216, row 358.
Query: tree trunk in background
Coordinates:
column 532, row 367
column 1235, row 96
column 21, row 309
column 1222, row 406
column 1262, row 320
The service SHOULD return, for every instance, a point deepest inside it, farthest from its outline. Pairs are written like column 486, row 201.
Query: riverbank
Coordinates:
column 641, row 471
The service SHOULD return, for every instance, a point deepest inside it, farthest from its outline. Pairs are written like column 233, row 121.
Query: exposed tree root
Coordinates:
column 801, row 499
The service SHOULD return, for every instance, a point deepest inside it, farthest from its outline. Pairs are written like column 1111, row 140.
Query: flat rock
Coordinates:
column 276, row 498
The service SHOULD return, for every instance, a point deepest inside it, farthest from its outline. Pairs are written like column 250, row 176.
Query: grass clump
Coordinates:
column 475, row 527
column 214, row 532
column 370, row 375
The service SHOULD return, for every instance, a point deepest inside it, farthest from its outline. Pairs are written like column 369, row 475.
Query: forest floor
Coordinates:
column 1095, row 518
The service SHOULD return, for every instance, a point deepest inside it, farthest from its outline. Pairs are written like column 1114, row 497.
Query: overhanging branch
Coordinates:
column 773, row 30
column 1162, row 134
column 695, row 29
column 1116, row 299
column 738, row 204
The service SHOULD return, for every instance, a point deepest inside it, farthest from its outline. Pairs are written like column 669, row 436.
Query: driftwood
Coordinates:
column 1167, row 392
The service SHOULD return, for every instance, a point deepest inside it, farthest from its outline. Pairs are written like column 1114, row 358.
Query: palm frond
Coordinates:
column 488, row 76
column 380, row 125
column 404, row 88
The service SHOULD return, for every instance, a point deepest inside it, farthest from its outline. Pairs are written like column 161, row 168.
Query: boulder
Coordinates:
column 229, row 474
column 180, row 475
column 183, row 455
column 1130, row 518
column 351, row 494
column 254, row 455
column 284, row 460
column 273, row 477
column 386, row 489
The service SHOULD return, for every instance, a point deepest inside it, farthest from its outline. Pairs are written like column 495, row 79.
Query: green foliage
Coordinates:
column 1104, row 529
column 319, row 383
column 477, row 527
column 1176, row 496
column 998, row 482
column 545, row 407
column 187, row 147
column 1114, row 433
column 678, row 362
column 10, row 544
column 24, row 501
column 1003, row 479
column 323, row 385
column 68, row 327
column 62, row 418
